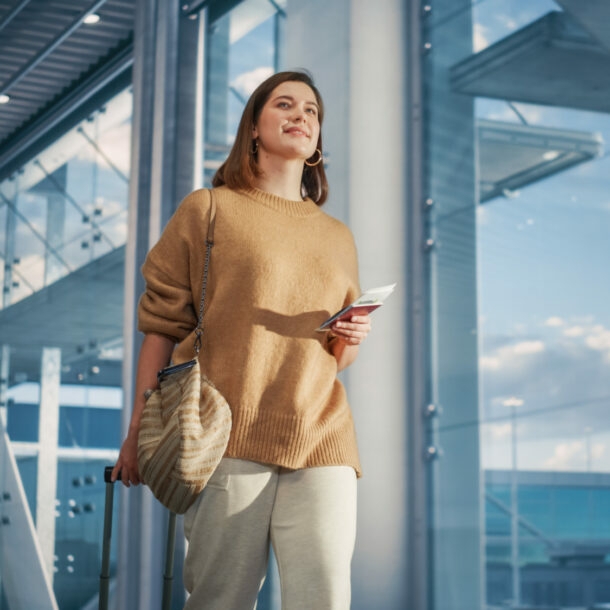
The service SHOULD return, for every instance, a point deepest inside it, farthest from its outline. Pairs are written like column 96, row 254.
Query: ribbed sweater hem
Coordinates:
column 294, row 444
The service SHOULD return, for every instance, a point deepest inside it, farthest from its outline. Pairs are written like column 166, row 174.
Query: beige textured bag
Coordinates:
column 184, row 432
column 185, row 425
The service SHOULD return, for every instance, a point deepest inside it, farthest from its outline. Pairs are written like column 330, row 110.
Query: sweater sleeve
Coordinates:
column 166, row 306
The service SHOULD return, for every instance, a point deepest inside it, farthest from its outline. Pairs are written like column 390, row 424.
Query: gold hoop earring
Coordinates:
column 254, row 148
column 318, row 161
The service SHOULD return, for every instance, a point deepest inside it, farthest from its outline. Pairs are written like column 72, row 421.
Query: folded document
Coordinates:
column 364, row 304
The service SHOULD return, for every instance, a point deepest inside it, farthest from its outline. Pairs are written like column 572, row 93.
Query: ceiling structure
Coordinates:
column 48, row 49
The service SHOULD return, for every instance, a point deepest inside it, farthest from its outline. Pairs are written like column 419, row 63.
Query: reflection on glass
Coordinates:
column 68, row 206
column 514, row 88
column 244, row 48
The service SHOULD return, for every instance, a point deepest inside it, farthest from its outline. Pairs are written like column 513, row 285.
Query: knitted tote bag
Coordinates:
column 183, row 435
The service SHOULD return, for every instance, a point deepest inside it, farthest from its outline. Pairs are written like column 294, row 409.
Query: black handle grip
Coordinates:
column 108, row 473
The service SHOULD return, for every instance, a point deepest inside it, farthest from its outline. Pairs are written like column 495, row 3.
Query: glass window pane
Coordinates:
column 243, row 49
column 516, row 165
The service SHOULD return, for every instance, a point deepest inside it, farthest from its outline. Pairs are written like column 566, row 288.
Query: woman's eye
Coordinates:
column 283, row 105
column 312, row 111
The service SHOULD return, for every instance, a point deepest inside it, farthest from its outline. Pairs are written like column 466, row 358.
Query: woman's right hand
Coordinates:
column 155, row 353
column 127, row 464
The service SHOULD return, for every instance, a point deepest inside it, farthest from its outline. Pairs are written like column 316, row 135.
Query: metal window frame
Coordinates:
column 417, row 364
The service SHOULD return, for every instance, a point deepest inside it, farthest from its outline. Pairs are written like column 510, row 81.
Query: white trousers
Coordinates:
column 308, row 515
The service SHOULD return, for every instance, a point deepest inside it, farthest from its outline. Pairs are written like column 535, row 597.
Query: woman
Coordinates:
column 280, row 266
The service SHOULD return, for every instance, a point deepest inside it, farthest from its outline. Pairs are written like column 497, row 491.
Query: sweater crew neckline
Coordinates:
column 289, row 207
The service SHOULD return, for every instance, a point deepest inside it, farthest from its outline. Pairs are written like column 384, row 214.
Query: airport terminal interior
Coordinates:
column 465, row 147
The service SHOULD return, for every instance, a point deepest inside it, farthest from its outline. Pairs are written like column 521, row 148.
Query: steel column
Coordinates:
column 163, row 171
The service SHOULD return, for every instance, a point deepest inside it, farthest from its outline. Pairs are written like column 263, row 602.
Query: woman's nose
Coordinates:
column 299, row 114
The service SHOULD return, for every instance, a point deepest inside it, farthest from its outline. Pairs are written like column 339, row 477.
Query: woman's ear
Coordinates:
column 254, row 132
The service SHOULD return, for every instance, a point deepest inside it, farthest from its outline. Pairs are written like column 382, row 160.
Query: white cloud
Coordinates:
column 532, row 114
column 479, row 38
column 574, row 331
column 115, row 143
column 597, row 451
column 599, row 340
column 594, row 336
column 489, row 363
column 482, row 213
column 554, row 321
column 528, row 347
column 247, row 82
column 510, row 355
column 507, row 21
column 506, row 115
column 566, row 456
column 500, row 431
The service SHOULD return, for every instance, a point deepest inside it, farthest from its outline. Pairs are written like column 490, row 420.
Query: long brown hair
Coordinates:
column 240, row 170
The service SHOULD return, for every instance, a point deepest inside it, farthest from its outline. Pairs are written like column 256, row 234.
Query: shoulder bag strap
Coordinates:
column 209, row 243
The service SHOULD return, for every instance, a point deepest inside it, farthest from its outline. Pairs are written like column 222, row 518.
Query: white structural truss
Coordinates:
column 24, row 578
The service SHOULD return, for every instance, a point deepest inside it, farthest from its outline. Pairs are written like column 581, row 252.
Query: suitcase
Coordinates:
column 168, row 573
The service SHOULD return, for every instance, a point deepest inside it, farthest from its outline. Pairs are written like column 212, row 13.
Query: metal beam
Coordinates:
column 13, row 13
column 23, row 72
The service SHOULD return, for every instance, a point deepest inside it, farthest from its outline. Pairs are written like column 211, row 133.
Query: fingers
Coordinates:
column 126, row 467
column 125, row 477
column 115, row 471
column 130, row 476
column 353, row 332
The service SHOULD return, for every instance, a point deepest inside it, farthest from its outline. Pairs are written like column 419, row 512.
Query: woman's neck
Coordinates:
column 281, row 178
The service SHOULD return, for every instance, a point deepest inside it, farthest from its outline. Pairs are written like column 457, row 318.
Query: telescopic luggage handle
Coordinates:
column 107, row 538
column 168, row 574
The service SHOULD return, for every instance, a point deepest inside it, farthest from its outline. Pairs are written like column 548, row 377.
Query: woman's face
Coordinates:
column 288, row 126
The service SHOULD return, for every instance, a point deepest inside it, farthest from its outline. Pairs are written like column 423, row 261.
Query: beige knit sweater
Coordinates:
column 278, row 269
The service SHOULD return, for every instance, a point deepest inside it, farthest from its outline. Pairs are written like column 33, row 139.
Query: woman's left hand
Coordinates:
column 353, row 331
